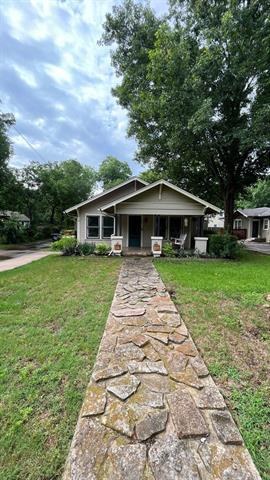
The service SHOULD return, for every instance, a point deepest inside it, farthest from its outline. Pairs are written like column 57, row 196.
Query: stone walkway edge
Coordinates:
column 151, row 410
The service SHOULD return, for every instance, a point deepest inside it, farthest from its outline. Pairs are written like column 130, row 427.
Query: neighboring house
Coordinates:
column 136, row 212
column 215, row 222
column 19, row 217
column 254, row 222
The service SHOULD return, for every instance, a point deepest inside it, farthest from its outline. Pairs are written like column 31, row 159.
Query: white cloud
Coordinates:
column 64, row 102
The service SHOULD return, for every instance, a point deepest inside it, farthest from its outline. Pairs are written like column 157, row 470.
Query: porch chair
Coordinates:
column 180, row 242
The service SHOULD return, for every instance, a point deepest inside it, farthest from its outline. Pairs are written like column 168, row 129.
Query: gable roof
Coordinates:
column 105, row 192
column 254, row 212
column 169, row 185
column 16, row 215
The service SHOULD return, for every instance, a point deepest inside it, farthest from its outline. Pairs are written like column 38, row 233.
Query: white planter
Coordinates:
column 201, row 244
column 116, row 244
column 156, row 246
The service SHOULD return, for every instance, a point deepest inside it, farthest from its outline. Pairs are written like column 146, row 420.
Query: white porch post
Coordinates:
column 156, row 246
column 201, row 244
column 116, row 244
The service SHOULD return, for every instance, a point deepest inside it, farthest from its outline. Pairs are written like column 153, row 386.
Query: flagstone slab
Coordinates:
column 129, row 312
column 226, row 428
column 112, row 371
column 177, row 338
column 88, row 451
column 144, row 396
column 187, row 348
column 125, row 462
column 188, row 377
column 124, row 387
column 140, row 340
column 129, row 351
column 187, row 418
column 167, row 308
column 171, row 459
column 199, row 366
column 170, row 319
column 175, row 361
column 161, row 337
column 210, row 398
column 94, row 402
column 147, row 367
column 156, row 383
column 150, row 352
column 153, row 423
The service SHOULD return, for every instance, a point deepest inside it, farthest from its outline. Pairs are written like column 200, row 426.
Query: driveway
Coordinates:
column 22, row 255
column 258, row 247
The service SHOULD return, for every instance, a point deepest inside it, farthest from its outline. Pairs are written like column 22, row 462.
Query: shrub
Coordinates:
column 167, row 250
column 102, row 249
column 66, row 245
column 12, row 231
column 86, row 248
column 224, row 246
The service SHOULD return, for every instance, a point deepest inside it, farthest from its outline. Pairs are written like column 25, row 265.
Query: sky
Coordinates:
column 57, row 82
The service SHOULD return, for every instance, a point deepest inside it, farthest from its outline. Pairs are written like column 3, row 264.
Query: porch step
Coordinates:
column 136, row 252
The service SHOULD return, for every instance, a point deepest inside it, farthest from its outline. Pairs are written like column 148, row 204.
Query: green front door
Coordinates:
column 135, row 231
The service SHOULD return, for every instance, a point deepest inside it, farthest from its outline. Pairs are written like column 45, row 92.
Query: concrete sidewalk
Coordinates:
column 258, row 247
column 21, row 260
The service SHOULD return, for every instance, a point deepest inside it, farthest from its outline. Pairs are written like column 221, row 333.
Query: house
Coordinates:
column 19, row 217
column 253, row 222
column 215, row 221
column 138, row 215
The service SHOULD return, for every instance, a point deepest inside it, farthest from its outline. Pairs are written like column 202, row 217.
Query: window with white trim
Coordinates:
column 265, row 223
column 107, row 227
column 238, row 224
column 92, row 226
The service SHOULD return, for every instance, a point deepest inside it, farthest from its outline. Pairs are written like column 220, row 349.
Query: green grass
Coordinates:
column 222, row 303
column 52, row 316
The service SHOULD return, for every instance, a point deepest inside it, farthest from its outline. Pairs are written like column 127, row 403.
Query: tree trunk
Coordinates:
column 229, row 199
column 52, row 215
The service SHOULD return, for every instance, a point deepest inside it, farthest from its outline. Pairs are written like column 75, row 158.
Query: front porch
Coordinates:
column 143, row 235
column 137, row 230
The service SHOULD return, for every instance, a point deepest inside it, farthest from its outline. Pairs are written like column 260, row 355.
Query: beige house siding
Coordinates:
column 160, row 200
column 93, row 209
column 163, row 201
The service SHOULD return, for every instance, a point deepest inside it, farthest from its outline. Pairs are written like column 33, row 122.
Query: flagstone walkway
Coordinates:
column 151, row 410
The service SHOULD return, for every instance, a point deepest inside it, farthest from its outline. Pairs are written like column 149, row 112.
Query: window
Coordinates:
column 238, row 224
column 93, row 226
column 108, row 227
column 265, row 223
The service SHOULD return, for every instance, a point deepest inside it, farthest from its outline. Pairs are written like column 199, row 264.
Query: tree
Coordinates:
column 64, row 184
column 7, row 178
column 112, row 172
column 196, row 86
column 257, row 195
column 50, row 188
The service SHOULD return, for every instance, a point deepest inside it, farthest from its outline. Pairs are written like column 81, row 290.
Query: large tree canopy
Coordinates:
column 112, row 172
column 257, row 195
column 197, row 88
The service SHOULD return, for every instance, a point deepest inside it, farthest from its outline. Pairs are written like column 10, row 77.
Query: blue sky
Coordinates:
column 57, row 81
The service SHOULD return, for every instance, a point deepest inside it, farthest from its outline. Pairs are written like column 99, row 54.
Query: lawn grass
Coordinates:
column 223, row 305
column 52, row 316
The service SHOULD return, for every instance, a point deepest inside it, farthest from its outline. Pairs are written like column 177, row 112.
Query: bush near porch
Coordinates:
column 224, row 306
column 53, row 314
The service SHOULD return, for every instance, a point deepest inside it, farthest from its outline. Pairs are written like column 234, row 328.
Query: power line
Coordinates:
column 27, row 141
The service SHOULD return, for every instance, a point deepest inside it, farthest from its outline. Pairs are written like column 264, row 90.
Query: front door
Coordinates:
column 135, row 230
column 255, row 228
